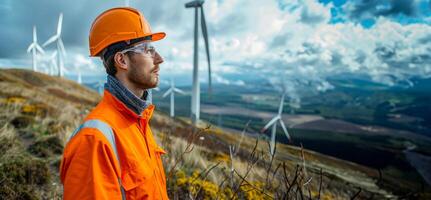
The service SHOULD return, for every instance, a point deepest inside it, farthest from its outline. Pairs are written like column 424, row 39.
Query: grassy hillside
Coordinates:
column 38, row 112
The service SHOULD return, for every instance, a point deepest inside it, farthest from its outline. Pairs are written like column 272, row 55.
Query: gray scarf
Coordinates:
column 133, row 102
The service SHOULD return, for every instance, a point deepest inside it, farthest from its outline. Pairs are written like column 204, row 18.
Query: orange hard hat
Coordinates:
column 119, row 24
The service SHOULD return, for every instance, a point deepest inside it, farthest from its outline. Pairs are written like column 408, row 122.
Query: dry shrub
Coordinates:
column 46, row 147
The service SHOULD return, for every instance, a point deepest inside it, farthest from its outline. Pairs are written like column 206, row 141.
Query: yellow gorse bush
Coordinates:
column 29, row 109
column 15, row 100
column 195, row 184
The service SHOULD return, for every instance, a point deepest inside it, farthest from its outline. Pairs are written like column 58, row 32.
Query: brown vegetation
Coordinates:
column 209, row 164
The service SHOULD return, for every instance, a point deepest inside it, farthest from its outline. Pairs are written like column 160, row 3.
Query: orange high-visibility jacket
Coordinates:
column 130, row 168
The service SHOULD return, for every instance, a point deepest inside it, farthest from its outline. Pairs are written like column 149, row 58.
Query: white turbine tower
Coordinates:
column 79, row 75
column 34, row 48
column 150, row 94
column 273, row 123
column 172, row 91
column 52, row 63
column 61, row 52
column 195, row 109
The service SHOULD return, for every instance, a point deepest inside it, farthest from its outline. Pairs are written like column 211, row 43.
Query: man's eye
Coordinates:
column 150, row 50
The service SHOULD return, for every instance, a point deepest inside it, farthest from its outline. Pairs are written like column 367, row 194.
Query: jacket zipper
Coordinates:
column 149, row 154
column 143, row 135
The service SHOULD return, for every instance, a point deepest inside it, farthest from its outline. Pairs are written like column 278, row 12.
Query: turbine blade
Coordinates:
column 179, row 91
column 39, row 48
column 30, row 47
column 62, row 49
column 65, row 69
column 50, row 40
column 270, row 123
column 53, row 55
column 284, row 129
column 167, row 92
column 156, row 89
column 60, row 23
column 280, row 108
column 34, row 34
column 205, row 34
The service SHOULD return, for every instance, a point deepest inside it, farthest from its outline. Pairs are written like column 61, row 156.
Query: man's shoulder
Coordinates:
column 102, row 111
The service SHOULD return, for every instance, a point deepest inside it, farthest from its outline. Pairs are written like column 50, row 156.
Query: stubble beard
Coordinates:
column 141, row 79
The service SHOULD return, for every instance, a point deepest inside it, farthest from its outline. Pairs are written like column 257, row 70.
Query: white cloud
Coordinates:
column 295, row 43
column 221, row 80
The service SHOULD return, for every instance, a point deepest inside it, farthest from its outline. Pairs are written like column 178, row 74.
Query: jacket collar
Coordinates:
column 134, row 103
column 117, row 104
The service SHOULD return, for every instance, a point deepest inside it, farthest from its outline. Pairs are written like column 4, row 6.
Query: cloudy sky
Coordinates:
column 296, row 42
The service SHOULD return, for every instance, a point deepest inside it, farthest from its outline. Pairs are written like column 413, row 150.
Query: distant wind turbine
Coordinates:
column 294, row 104
column 195, row 109
column 34, row 48
column 78, row 66
column 273, row 123
column 100, row 87
column 61, row 52
column 79, row 75
column 172, row 91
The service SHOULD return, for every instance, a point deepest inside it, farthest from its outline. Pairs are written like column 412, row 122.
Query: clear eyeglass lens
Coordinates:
column 144, row 48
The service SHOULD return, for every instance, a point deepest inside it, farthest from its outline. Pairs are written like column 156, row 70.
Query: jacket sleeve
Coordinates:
column 89, row 169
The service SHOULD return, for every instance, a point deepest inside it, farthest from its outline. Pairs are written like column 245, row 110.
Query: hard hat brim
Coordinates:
column 157, row 36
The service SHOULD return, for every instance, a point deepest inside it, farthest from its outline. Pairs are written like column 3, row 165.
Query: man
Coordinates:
column 113, row 154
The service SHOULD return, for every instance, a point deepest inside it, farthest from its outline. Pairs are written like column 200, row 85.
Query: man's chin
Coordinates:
column 153, row 85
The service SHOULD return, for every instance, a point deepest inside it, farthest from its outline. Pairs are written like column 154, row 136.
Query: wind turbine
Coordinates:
column 172, row 91
column 34, row 48
column 61, row 52
column 273, row 123
column 195, row 109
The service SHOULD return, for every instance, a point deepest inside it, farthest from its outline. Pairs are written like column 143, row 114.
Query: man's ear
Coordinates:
column 120, row 61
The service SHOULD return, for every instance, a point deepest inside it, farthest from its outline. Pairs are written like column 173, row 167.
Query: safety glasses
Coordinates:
column 145, row 49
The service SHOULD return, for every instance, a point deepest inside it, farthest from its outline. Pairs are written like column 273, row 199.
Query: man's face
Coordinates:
column 144, row 69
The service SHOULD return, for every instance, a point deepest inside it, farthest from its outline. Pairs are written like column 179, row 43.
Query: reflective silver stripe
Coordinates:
column 123, row 192
column 106, row 130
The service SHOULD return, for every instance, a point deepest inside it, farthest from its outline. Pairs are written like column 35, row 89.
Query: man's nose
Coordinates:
column 157, row 58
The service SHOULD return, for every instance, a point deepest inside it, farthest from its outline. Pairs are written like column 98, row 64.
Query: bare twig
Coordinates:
column 356, row 194
column 286, row 179
column 294, row 180
column 253, row 159
column 220, row 186
column 251, row 185
column 205, row 172
column 320, row 183
column 189, row 148
column 242, row 137
column 269, row 167
column 303, row 161
column 204, row 178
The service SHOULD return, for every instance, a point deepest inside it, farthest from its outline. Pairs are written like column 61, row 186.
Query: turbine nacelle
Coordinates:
column 193, row 4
